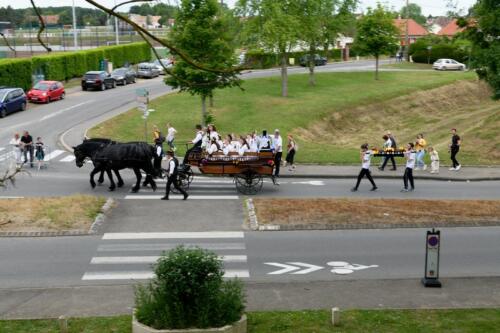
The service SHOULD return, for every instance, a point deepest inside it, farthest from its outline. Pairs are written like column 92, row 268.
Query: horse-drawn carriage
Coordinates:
column 248, row 170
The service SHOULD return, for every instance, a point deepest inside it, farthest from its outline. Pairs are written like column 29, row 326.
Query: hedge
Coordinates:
column 438, row 52
column 64, row 66
column 259, row 59
column 15, row 73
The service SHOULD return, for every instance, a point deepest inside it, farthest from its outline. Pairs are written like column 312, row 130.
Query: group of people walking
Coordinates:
column 25, row 150
column 414, row 153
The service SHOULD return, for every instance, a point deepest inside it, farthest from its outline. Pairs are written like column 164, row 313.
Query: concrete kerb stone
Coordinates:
column 239, row 327
column 93, row 230
column 254, row 222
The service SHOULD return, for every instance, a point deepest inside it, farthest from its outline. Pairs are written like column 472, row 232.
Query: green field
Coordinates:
column 352, row 321
column 342, row 111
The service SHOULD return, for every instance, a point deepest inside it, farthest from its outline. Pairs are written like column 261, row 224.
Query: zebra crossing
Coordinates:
column 7, row 154
column 202, row 188
column 129, row 256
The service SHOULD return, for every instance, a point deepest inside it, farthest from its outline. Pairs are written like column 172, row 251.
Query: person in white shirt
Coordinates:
column 171, row 137
column 173, row 176
column 252, row 142
column 214, row 147
column 264, row 142
column 196, row 142
column 410, row 165
column 17, row 147
column 244, row 147
column 157, row 159
column 365, row 156
column 434, row 160
column 278, row 151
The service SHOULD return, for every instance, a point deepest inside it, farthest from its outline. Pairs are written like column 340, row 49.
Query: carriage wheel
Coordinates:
column 248, row 183
column 184, row 180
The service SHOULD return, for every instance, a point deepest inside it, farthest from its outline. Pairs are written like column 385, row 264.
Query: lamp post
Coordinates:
column 117, row 39
column 75, row 39
column 429, row 49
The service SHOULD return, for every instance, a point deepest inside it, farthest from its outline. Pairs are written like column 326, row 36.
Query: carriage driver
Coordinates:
column 197, row 141
column 173, row 176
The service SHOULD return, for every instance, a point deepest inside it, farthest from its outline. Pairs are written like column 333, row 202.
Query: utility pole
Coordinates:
column 75, row 39
column 116, row 30
column 407, row 39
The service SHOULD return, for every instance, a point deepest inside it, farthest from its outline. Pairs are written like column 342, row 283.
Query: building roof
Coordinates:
column 450, row 29
column 414, row 29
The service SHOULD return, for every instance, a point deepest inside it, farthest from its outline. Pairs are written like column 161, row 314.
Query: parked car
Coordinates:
column 98, row 80
column 124, row 75
column 12, row 100
column 147, row 70
column 448, row 64
column 166, row 62
column 46, row 91
column 318, row 60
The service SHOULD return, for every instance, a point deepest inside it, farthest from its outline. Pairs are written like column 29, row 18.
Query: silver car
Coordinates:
column 166, row 62
column 147, row 70
column 448, row 64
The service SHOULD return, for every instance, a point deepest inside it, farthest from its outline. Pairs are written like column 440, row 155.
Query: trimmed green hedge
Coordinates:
column 15, row 73
column 438, row 52
column 259, row 59
column 64, row 66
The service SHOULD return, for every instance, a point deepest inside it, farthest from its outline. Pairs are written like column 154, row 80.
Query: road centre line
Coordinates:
column 145, row 275
column 169, row 246
column 53, row 114
column 178, row 197
column 153, row 259
column 173, row 235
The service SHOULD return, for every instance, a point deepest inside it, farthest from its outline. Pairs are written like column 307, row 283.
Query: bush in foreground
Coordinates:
column 189, row 292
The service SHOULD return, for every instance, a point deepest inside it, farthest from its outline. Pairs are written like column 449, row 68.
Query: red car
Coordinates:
column 46, row 91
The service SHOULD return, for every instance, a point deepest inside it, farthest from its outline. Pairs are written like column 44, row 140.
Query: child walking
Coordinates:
column 39, row 152
column 434, row 160
column 290, row 155
column 365, row 156
column 410, row 165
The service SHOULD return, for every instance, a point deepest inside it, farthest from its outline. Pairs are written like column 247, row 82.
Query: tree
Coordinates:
column 377, row 35
column 201, row 32
column 273, row 25
column 414, row 12
column 483, row 29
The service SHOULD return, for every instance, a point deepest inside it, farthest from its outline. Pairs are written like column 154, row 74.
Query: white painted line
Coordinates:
column 178, row 197
column 2, row 148
column 173, row 235
column 69, row 158
column 153, row 259
column 170, row 246
column 53, row 155
column 11, row 197
column 142, row 275
column 53, row 114
column 196, row 185
column 197, row 180
column 6, row 156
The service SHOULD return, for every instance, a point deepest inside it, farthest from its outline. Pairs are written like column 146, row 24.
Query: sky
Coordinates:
column 429, row 7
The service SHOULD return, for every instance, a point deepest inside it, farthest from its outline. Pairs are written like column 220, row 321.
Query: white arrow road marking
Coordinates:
column 309, row 268
column 312, row 182
column 286, row 268
column 344, row 268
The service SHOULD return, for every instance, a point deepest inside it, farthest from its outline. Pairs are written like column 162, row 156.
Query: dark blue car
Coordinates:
column 11, row 100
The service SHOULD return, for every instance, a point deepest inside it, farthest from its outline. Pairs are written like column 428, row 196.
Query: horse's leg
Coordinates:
column 150, row 178
column 110, row 176
column 101, row 178
column 92, row 174
column 119, row 177
column 138, row 175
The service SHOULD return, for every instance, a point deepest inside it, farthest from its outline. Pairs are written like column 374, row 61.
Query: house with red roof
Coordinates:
column 451, row 29
column 415, row 30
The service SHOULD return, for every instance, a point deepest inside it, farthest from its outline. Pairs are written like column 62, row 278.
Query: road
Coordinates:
column 288, row 265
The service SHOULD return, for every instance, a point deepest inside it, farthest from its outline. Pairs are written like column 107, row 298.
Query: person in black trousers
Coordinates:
column 390, row 142
column 173, row 176
column 365, row 168
column 454, row 149
column 410, row 165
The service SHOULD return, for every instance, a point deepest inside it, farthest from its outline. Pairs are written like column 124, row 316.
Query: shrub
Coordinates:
column 438, row 52
column 16, row 73
column 260, row 59
column 189, row 292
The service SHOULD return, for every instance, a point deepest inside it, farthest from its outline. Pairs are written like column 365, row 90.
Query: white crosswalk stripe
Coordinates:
column 2, row 148
column 128, row 256
column 69, row 158
column 52, row 155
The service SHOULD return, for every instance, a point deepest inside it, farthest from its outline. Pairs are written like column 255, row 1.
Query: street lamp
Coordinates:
column 75, row 40
column 116, row 29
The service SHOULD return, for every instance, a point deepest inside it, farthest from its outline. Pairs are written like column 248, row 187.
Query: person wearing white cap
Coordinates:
column 278, row 151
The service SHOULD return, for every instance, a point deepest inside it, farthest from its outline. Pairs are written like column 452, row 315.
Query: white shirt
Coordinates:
column 212, row 149
column 171, row 167
column 253, row 145
column 367, row 156
column 171, row 133
column 410, row 162
column 214, row 135
column 434, row 156
column 158, row 151
column 236, row 145
column 278, row 144
column 199, row 136
column 388, row 143
column 243, row 149
column 15, row 142
column 264, row 142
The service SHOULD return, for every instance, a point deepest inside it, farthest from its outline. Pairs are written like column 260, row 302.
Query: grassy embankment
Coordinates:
column 332, row 119
column 352, row 321
column 75, row 212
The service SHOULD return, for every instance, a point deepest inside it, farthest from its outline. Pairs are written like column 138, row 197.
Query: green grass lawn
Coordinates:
column 407, row 65
column 329, row 120
column 352, row 321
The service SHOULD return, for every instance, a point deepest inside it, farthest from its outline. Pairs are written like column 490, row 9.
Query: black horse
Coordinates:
column 106, row 142
column 133, row 155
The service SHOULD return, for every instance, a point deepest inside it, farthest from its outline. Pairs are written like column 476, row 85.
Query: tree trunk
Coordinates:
column 203, row 110
column 312, row 52
column 376, row 67
column 325, row 49
column 211, row 101
column 284, row 75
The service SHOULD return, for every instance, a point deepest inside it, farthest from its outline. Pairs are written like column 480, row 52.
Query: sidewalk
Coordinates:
column 348, row 171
